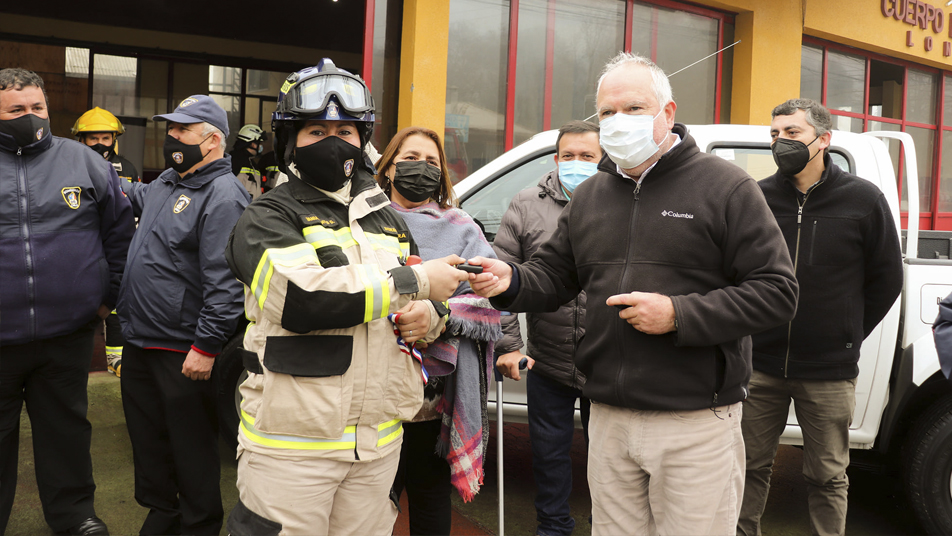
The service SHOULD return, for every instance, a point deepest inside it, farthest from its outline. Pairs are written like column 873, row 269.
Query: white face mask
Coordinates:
column 628, row 139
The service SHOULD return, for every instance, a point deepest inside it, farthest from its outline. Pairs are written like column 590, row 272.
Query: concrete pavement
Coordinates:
column 876, row 505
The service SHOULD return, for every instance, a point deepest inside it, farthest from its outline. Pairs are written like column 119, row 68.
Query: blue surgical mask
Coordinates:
column 573, row 172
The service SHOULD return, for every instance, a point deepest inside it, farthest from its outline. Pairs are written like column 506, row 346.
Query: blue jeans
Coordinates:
column 551, row 408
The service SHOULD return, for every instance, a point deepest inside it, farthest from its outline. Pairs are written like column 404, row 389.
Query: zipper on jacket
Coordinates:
column 624, row 273
column 24, row 202
column 796, row 258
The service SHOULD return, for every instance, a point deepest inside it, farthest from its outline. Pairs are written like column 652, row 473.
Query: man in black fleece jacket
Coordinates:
column 684, row 242
column 845, row 247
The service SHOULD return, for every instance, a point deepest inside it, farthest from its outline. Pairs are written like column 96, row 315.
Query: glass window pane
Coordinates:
column 925, row 142
column 476, row 84
column 921, row 97
column 947, row 105
column 849, row 124
column 885, row 89
column 264, row 82
column 224, row 79
column 683, row 38
column 727, row 67
column 846, row 77
column 587, row 34
column 77, row 62
column 230, row 105
column 114, row 84
column 530, row 68
column 388, row 26
column 945, row 182
column 489, row 203
column 893, row 147
column 811, row 73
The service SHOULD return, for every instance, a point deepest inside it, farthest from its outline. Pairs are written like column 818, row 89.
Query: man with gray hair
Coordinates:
column 179, row 303
column 843, row 239
column 672, row 299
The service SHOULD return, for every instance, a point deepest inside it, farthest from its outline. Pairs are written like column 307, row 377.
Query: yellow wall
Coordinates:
column 862, row 25
column 423, row 64
column 767, row 61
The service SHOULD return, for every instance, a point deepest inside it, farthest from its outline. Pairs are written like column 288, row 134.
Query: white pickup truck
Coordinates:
column 903, row 415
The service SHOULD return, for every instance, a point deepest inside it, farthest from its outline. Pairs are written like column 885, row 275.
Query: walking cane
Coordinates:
column 499, row 430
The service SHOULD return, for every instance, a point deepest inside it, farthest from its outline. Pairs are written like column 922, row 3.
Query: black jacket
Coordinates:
column 532, row 217
column 847, row 259
column 178, row 291
column 696, row 229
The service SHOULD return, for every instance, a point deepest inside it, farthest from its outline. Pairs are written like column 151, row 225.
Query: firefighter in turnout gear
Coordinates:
column 334, row 315
column 99, row 130
column 248, row 145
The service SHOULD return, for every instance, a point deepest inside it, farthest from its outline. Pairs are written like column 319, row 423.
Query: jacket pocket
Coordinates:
column 309, row 356
column 314, row 401
column 332, row 256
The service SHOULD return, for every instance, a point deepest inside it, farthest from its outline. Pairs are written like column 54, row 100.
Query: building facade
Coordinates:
column 491, row 73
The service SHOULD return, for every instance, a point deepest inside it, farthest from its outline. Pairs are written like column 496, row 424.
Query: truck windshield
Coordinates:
column 758, row 161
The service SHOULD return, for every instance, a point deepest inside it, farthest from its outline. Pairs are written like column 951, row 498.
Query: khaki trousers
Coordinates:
column 665, row 472
column 316, row 496
column 824, row 411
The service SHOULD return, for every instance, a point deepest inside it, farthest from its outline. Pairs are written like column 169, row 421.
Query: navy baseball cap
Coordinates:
column 198, row 109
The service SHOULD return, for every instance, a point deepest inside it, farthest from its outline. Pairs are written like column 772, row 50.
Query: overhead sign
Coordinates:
column 921, row 14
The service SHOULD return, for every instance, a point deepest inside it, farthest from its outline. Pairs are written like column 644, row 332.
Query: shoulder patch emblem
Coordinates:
column 180, row 205
column 71, row 195
column 348, row 167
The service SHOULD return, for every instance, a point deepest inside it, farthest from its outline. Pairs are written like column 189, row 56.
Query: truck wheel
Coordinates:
column 927, row 468
column 229, row 373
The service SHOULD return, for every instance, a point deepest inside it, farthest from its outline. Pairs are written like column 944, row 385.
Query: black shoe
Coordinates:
column 90, row 527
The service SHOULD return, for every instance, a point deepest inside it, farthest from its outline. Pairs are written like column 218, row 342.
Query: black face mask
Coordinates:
column 182, row 156
column 792, row 156
column 416, row 180
column 327, row 164
column 26, row 129
column 103, row 150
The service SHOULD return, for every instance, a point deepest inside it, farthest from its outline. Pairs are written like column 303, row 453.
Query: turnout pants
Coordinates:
column 173, row 425
column 824, row 412
column 308, row 496
column 50, row 376
column 665, row 472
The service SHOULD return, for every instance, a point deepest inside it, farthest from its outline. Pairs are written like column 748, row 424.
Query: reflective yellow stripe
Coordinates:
column 249, row 171
column 376, row 292
column 320, row 237
column 388, row 431
column 114, row 349
column 387, row 242
column 347, row 441
column 292, row 256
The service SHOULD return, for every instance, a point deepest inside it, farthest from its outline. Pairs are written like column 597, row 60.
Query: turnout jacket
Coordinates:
column 178, row 292
column 327, row 377
column 696, row 229
column 845, row 248
column 124, row 168
column 64, row 232
column 531, row 219
column 246, row 173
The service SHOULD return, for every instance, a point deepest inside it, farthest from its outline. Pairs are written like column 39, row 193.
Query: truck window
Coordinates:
column 489, row 203
column 758, row 161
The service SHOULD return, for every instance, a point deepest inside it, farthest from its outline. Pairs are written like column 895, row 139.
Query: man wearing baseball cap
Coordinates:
column 178, row 305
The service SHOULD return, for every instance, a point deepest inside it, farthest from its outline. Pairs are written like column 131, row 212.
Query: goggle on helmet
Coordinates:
column 324, row 92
